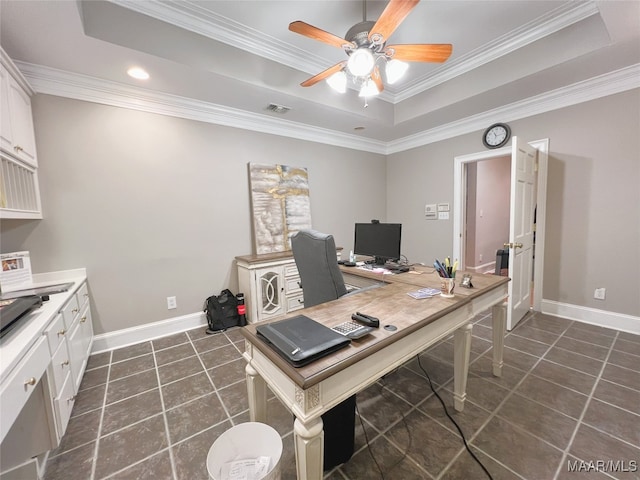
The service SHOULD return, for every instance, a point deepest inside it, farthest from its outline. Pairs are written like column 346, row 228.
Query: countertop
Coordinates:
column 15, row 344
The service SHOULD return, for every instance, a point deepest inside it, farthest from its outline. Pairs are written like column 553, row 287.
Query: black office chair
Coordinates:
column 322, row 281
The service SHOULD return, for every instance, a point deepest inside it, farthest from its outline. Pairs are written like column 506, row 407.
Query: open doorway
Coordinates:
column 486, row 212
column 537, row 192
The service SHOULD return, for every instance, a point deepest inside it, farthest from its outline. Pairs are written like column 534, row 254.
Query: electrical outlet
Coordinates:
column 480, row 259
column 171, row 303
column 599, row 294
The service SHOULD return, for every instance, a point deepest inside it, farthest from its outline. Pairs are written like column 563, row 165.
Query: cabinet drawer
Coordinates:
column 59, row 369
column 17, row 388
column 82, row 295
column 295, row 303
column 291, row 270
column 64, row 404
column 292, row 285
column 55, row 333
column 69, row 312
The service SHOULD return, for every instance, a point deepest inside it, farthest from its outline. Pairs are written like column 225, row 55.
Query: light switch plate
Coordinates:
column 443, row 215
column 431, row 211
column 443, row 207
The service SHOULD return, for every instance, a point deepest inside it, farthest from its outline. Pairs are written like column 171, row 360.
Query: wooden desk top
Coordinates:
column 390, row 303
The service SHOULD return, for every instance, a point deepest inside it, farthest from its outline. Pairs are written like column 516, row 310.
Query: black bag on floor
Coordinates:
column 222, row 312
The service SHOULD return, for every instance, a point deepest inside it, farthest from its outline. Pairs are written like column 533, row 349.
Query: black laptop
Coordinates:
column 301, row 340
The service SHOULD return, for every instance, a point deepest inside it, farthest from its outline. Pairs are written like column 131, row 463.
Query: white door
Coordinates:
column 521, row 229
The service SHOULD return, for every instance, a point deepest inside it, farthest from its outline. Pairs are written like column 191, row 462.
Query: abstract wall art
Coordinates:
column 280, row 205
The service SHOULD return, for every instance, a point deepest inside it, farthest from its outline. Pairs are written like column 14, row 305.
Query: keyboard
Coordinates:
column 352, row 329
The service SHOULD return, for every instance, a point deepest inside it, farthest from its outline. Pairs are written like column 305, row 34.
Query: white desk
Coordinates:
column 314, row 389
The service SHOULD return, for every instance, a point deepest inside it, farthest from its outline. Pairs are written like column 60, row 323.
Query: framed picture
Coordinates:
column 466, row 281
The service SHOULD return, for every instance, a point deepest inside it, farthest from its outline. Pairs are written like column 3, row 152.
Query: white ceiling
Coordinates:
column 225, row 61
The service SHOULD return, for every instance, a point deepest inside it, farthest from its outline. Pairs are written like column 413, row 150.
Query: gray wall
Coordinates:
column 593, row 199
column 155, row 206
column 135, row 197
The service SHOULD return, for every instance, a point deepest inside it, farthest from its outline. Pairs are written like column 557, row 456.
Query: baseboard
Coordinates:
column 143, row 333
column 593, row 316
column 484, row 268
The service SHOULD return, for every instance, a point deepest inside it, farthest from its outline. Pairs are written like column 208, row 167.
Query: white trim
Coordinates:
column 541, row 219
column 143, row 333
column 190, row 16
column 82, row 87
column 459, row 194
column 593, row 316
column 610, row 83
column 52, row 81
column 553, row 21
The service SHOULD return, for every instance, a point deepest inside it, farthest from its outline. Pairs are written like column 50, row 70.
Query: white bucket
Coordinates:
column 249, row 440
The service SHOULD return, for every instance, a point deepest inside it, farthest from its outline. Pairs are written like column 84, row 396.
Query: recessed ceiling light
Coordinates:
column 138, row 73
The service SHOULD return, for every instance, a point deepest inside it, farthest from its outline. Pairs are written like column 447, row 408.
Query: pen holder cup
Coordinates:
column 446, row 287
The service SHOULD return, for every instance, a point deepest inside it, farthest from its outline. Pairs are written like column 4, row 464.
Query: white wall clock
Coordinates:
column 496, row 135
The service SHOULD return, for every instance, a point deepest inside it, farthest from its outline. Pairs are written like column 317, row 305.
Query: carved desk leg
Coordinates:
column 498, row 316
column 309, row 443
column 257, row 393
column 461, row 351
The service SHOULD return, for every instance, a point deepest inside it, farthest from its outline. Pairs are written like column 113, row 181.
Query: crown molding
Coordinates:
column 51, row 81
column 555, row 20
column 610, row 83
column 192, row 17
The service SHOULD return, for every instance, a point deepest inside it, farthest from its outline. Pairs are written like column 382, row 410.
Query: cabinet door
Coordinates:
column 24, row 144
column 6, row 137
column 270, row 290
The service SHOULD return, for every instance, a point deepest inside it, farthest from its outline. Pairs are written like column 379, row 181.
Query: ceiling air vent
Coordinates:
column 275, row 108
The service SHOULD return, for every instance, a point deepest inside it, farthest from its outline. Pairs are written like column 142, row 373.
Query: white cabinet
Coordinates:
column 271, row 285
column 19, row 189
column 43, row 361
column 16, row 127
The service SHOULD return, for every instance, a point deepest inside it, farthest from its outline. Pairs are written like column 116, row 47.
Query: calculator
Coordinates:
column 352, row 329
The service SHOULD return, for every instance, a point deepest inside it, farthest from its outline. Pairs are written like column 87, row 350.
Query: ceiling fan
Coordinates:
column 366, row 45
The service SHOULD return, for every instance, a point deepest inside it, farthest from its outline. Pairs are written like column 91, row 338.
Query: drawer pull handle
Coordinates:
column 74, row 311
column 65, row 363
column 62, row 332
column 86, row 295
column 83, row 319
column 300, row 300
column 31, row 381
column 71, row 399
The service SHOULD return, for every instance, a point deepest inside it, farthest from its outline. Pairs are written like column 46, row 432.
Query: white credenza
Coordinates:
column 42, row 363
column 19, row 188
column 271, row 285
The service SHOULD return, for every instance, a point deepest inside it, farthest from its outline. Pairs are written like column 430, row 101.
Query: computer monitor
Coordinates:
column 378, row 240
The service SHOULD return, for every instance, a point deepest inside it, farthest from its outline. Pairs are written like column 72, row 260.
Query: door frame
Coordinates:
column 459, row 207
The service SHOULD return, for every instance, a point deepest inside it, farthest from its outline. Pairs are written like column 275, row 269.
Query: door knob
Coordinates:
column 512, row 245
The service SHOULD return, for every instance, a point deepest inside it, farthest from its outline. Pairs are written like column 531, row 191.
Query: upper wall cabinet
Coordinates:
column 16, row 125
column 19, row 192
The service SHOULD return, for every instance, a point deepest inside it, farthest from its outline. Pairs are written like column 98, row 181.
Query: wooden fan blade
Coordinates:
column 392, row 16
column 421, row 52
column 324, row 74
column 317, row 34
column 375, row 76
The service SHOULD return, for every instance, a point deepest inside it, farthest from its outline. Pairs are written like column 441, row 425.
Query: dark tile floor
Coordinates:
column 566, row 407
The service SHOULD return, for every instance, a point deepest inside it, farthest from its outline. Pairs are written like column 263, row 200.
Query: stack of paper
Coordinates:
column 424, row 293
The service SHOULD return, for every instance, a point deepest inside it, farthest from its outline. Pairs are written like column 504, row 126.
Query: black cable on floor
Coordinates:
column 464, row 440
column 406, row 451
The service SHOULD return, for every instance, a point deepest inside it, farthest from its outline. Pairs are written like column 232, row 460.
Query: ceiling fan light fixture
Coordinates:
column 338, row 81
column 361, row 62
column 395, row 70
column 369, row 89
